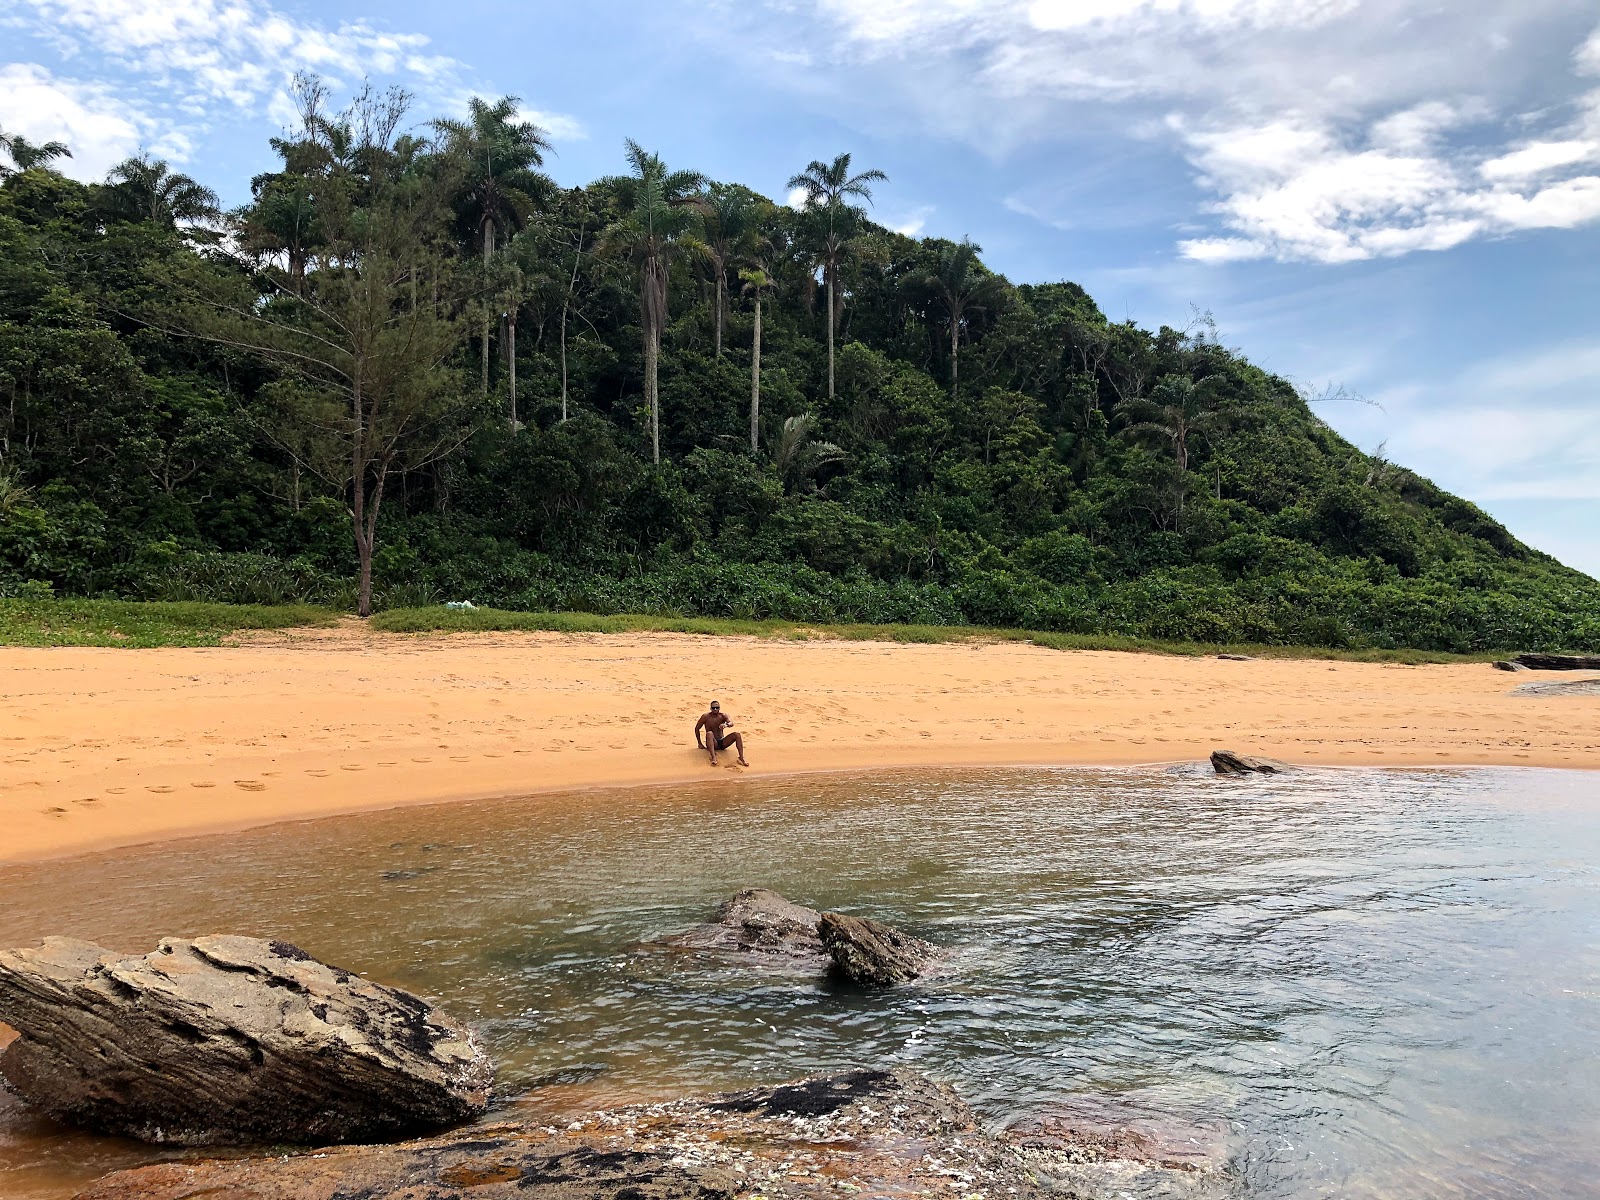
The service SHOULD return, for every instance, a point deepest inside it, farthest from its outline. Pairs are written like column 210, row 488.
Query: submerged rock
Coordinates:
column 857, row 1133
column 1226, row 762
column 759, row 923
column 1560, row 662
column 872, row 953
column 230, row 1041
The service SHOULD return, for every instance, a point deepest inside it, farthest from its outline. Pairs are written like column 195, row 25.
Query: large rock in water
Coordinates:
column 857, row 1133
column 759, row 923
column 874, row 954
column 230, row 1041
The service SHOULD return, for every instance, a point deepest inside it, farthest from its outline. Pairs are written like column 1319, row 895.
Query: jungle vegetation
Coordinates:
column 412, row 368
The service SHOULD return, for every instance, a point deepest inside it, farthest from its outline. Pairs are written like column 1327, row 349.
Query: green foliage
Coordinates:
column 570, row 429
column 35, row 621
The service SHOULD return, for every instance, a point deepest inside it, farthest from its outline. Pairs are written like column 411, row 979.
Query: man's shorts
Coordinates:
column 723, row 742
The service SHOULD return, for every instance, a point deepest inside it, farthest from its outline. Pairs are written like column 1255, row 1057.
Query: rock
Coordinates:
column 1226, row 762
column 1565, row 687
column 762, row 924
column 871, row 953
column 230, row 1041
column 1502, row 665
column 856, row 1133
column 1237, row 657
column 1560, row 662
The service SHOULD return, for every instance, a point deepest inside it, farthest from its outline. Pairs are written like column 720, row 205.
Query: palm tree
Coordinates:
column 960, row 283
column 829, row 187
column 1176, row 412
column 500, row 187
column 797, row 456
column 756, row 284
column 26, row 155
column 146, row 189
column 729, row 216
column 654, row 229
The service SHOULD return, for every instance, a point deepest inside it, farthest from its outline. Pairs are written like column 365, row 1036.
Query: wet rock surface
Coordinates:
column 858, row 1133
column 1226, row 762
column 759, row 924
column 873, row 954
column 230, row 1041
column 1566, row 687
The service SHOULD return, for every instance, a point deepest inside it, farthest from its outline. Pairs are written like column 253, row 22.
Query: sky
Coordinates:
column 1396, row 198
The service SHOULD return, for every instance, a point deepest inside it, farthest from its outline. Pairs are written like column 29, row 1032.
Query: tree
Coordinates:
column 757, row 283
column 653, row 230
column 798, row 456
column 146, row 189
column 366, row 385
column 829, row 187
column 500, row 188
column 26, row 155
column 729, row 216
column 960, row 283
column 1176, row 412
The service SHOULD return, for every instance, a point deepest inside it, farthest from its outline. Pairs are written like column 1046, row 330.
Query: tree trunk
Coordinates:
column 511, row 364
column 566, row 302
column 652, row 352
column 955, row 352
column 484, row 339
column 719, row 312
column 755, row 382
column 488, row 253
column 830, row 333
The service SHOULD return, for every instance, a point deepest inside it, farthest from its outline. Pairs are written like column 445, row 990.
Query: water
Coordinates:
column 1376, row 983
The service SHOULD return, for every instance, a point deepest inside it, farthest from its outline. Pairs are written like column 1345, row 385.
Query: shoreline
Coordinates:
column 113, row 748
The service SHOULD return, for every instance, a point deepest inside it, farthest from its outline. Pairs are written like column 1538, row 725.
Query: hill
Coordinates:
column 412, row 369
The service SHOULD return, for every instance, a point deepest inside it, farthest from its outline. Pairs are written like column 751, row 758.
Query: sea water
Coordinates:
column 1359, row 983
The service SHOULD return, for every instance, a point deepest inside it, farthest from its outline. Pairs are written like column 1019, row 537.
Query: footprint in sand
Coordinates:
column 158, row 787
column 54, row 812
column 202, row 783
column 88, row 800
column 250, row 785
column 318, row 773
column 116, row 791
column 422, row 760
column 388, row 764
column 352, row 766
column 460, row 758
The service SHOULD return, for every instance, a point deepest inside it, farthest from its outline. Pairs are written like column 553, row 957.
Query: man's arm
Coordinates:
column 698, row 726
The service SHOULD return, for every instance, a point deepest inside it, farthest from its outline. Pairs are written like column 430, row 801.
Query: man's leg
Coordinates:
column 712, row 738
column 738, row 741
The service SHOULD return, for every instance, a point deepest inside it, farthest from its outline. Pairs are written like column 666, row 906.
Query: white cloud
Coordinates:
column 912, row 223
column 1322, row 130
column 99, row 127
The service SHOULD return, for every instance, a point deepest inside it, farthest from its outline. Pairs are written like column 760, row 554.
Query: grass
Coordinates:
column 484, row 620
column 142, row 625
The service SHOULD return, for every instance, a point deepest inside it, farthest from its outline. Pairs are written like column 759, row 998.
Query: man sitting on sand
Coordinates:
column 715, row 723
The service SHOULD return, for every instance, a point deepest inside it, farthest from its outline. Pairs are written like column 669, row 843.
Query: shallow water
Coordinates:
column 1372, row 983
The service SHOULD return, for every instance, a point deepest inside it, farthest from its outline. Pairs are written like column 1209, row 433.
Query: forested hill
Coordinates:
column 412, row 369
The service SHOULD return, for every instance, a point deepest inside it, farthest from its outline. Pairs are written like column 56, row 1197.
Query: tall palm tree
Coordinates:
column 146, row 189
column 757, row 283
column 654, row 228
column 959, row 284
column 729, row 216
column 829, row 188
column 26, row 155
column 500, row 189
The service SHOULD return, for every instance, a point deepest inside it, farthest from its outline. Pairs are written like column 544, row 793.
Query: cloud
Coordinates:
column 162, row 69
column 1320, row 130
column 912, row 223
column 99, row 126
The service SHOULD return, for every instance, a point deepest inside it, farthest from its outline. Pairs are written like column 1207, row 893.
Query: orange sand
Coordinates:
column 111, row 747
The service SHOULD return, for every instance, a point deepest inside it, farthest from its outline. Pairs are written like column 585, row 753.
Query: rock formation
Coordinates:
column 1560, row 662
column 871, row 953
column 1226, row 762
column 759, row 923
column 230, row 1041
column 858, row 1133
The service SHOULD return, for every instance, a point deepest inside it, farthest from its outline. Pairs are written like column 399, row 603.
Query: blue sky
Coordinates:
column 1401, row 197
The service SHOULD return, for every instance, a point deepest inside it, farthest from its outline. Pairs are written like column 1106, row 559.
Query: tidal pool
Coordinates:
column 1366, row 983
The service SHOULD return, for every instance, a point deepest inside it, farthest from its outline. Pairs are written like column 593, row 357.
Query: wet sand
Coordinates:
column 101, row 748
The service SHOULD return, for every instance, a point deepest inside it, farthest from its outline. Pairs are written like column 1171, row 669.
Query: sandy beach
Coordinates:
column 101, row 748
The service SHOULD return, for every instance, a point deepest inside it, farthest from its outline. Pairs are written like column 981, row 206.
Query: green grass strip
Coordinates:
column 486, row 620
column 140, row 625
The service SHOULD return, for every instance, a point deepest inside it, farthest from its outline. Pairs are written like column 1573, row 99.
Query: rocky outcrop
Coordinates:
column 230, row 1041
column 1566, row 687
column 873, row 954
column 1237, row 657
column 1226, row 762
column 1559, row 662
column 1503, row 665
column 759, row 924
